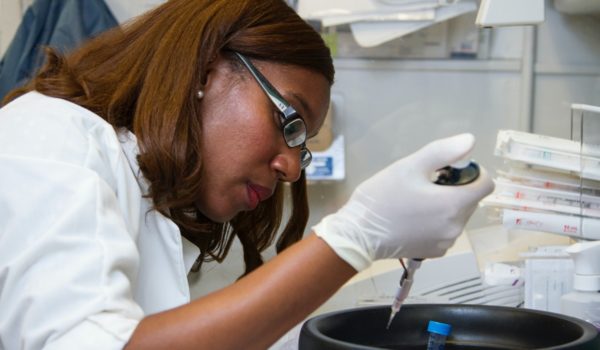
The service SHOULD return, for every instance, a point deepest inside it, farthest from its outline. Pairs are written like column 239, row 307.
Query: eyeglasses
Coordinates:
column 293, row 127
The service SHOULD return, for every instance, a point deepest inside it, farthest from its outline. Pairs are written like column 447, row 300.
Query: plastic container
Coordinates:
column 438, row 332
column 584, row 301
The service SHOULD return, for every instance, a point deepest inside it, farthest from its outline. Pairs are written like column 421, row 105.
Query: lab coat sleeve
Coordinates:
column 67, row 261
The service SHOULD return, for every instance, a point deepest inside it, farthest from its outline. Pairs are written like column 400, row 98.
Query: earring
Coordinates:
column 200, row 94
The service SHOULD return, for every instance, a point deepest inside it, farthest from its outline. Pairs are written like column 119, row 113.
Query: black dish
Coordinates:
column 479, row 327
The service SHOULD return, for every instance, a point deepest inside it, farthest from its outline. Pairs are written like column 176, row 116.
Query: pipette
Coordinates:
column 457, row 174
column 406, row 282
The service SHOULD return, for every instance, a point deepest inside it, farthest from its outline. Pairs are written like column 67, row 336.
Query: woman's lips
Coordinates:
column 256, row 194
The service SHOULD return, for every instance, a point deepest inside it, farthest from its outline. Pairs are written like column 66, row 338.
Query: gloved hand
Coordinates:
column 400, row 213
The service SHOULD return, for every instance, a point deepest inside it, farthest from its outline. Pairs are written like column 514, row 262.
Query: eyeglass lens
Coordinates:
column 305, row 157
column 294, row 131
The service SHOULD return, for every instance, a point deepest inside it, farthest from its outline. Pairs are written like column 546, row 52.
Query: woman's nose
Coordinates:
column 287, row 164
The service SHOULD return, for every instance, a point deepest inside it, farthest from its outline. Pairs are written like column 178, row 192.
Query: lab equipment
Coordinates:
column 438, row 332
column 540, row 178
column 457, row 174
column 568, row 225
column 552, row 184
column 584, row 300
column 502, row 274
column 373, row 23
column 381, row 216
column 574, row 201
column 473, row 327
column 548, row 273
column 406, row 282
column 549, row 152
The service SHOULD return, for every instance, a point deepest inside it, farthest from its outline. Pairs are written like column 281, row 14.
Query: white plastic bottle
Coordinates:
column 584, row 301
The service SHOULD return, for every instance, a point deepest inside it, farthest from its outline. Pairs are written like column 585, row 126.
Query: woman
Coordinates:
column 181, row 128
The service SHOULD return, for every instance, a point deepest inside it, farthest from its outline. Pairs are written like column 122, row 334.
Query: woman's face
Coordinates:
column 244, row 153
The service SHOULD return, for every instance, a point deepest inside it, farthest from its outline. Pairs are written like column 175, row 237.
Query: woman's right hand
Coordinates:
column 400, row 213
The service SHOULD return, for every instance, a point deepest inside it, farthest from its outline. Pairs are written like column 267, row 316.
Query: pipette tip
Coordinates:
column 392, row 314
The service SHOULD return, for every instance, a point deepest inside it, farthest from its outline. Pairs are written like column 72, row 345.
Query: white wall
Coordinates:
column 567, row 70
column 11, row 12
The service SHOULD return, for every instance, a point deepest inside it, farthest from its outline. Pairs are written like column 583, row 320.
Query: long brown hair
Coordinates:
column 143, row 76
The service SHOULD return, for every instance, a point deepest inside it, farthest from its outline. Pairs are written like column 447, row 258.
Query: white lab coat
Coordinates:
column 82, row 259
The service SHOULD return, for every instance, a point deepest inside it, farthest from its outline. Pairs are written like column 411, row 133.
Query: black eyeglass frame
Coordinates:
column 290, row 118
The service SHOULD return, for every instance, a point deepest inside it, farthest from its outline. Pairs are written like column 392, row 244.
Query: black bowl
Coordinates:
column 479, row 327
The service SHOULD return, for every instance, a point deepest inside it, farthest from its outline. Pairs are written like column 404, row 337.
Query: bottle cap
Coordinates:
column 439, row 328
column 586, row 256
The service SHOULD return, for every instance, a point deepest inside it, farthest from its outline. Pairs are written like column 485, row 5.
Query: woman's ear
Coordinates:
column 212, row 65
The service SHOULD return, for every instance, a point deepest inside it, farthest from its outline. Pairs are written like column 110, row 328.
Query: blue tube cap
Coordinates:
column 439, row 328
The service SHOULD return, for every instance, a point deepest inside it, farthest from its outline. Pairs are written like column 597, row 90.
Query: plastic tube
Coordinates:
column 438, row 332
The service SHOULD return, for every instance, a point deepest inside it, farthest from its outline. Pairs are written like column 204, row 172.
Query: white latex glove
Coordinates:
column 400, row 212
